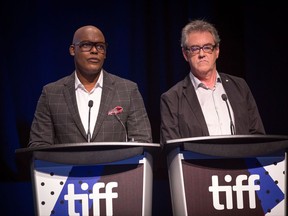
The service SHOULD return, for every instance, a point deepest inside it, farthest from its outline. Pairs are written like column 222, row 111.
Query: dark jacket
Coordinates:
column 57, row 119
column 182, row 117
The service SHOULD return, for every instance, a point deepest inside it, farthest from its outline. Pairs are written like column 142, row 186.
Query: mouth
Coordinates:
column 93, row 60
column 203, row 61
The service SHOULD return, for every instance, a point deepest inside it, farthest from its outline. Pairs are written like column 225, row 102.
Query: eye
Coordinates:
column 100, row 47
column 86, row 44
column 208, row 48
column 195, row 48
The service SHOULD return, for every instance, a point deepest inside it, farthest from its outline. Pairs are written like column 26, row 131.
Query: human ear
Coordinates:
column 72, row 50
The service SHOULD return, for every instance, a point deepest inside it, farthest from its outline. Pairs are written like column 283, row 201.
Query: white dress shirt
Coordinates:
column 83, row 97
column 214, row 108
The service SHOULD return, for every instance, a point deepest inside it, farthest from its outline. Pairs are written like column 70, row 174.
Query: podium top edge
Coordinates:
column 225, row 138
column 88, row 145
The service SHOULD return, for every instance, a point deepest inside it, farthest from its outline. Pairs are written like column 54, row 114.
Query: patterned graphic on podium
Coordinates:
column 81, row 187
column 89, row 190
column 272, row 183
column 225, row 187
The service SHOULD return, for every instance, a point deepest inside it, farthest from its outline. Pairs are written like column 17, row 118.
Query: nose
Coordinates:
column 201, row 49
column 94, row 49
column 201, row 52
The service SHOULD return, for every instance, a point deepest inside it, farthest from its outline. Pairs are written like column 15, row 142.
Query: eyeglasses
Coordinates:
column 208, row 48
column 86, row 46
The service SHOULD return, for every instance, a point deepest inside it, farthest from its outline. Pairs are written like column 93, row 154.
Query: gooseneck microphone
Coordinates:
column 90, row 104
column 115, row 111
column 232, row 128
column 126, row 134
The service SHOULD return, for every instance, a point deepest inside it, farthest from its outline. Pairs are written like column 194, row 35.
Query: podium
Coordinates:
column 92, row 178
column 228, row 175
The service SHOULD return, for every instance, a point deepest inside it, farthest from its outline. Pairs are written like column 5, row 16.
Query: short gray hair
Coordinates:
column 199, row 26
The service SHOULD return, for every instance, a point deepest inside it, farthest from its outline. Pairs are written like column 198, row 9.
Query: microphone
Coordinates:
column 90, row 104
column 232, row 128
column 115, row 111
column 126, row 136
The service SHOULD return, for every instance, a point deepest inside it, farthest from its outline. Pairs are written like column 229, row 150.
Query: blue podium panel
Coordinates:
column 209, row 185
column 117, row 188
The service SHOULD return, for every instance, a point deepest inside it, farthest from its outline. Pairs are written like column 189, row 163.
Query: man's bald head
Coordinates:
column 87, row 30
column 89, row 51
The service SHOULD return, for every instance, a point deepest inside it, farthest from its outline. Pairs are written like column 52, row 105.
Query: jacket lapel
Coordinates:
column 106, row 100
column 226, row 82
column 194, row 105
column 70, row 97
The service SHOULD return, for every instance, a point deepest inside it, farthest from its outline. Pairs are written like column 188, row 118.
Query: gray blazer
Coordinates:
column 182, row 117
column 57, row 119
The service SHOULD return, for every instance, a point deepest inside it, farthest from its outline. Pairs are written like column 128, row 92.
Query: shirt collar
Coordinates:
column 99, row 82
column 197, row 83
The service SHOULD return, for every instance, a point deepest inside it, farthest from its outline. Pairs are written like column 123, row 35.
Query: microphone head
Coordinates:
column 224, row 97
column 90, row 103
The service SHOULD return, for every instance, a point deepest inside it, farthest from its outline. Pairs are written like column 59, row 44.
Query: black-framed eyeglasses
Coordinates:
column 208, row 48
column 86, row 46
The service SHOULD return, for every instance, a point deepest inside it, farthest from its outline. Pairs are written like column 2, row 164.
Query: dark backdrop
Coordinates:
column 144, row 46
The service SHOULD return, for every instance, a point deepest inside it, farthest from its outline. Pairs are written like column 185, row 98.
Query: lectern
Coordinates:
column 228, row 175
column 92, row 178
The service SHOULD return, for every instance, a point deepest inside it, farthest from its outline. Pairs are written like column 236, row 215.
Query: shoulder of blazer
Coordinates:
column 112, row 79
column 233, row 83
column 179, row 87
column 65, row 81
column 227, row 77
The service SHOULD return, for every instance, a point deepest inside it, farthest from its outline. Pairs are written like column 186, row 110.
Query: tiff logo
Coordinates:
column 239, row 188
column 108, row 195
